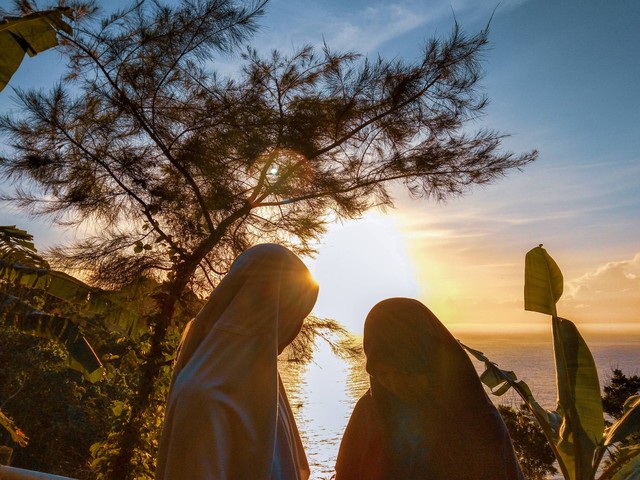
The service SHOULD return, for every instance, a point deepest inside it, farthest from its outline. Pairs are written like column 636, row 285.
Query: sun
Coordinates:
column 359, row 263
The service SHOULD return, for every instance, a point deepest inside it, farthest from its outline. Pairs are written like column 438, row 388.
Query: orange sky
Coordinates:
column 469, row 273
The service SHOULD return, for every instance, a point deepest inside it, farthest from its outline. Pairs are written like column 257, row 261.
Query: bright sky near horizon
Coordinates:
column 562, row 77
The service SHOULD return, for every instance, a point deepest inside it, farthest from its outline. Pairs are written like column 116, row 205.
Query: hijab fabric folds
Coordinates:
column 426, row 415
column 227, row 416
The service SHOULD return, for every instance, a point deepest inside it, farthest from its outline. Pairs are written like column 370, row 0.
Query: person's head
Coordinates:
column 400, row 346
column 264, row 283
column 409, row 351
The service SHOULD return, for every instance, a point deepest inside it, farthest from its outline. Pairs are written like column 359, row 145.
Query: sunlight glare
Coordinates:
column 360, row 263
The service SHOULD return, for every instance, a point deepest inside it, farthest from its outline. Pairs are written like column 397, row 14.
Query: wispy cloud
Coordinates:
column 368, row 30
column 353, row 26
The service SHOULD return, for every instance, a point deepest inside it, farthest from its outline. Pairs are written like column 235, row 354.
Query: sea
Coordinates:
column 322, row 393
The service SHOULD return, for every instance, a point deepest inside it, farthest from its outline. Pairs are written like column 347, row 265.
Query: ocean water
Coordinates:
column 323, row 393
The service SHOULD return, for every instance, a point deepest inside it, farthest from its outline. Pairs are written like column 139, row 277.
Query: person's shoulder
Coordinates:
column 366, row 413
column 366, row 401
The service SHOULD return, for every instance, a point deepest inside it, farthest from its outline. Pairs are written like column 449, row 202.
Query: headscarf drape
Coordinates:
column 426, row 415
column 227, row 415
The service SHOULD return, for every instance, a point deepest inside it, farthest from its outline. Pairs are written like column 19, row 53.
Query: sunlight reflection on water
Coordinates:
column 323, row 393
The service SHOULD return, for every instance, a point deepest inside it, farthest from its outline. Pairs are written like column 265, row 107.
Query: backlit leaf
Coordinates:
column 579, row 400
column 543, row 282
column 628, row 424
column 30, row 34
column 24, row 317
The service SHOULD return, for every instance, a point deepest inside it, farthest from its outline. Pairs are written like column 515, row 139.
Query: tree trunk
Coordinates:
column 130, row 434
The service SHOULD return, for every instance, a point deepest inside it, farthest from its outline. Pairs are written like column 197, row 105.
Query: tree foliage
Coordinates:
column 619, row 388
column 534, row 454
column 177, row 170
column 62, row 414
column 159, row 150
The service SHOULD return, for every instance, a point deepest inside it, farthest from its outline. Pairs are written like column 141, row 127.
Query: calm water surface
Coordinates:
column 323, row 393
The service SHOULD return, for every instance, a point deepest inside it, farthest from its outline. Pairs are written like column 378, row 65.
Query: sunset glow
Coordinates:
column 360, row 263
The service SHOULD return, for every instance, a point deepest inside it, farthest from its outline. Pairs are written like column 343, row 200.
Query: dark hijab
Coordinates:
column 426, row 415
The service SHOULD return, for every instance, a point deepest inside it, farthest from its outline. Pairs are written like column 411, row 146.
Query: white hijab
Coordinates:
column 227, row 416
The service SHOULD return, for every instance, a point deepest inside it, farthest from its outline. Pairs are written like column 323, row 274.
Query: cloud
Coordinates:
column 375, row 26
column 353, row 26
column 612, row 277
column 610, row 293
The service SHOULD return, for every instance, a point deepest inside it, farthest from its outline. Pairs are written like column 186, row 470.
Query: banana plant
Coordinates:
column 71, row 304
column 576, row 429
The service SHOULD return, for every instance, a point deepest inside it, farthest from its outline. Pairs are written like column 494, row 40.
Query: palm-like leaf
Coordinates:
column 579, row 400
column 29, row 34
column 575, row 431
column 22, row 316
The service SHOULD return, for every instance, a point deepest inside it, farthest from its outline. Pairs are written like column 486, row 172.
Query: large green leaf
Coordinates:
column 16, row 246
column 625, row 467
column 543, row 282
column 89, row 300
column 21, row 265
column 22, row 316
column 579, row 400
column 30, row 34
column 628, row 424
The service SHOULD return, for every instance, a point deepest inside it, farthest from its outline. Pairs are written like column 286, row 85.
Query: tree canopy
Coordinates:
column 160, row 150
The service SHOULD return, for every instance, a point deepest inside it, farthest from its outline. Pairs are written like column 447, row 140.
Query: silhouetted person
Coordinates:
column 228, row 417
column 426, row 415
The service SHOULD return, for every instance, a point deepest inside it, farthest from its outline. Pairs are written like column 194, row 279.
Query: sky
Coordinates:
column 562, row 78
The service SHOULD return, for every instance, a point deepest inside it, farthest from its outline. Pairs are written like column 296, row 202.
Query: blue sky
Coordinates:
column 562, row 77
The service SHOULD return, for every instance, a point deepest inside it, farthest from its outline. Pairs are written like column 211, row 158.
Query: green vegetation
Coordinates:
column 534, row 454
column 575, row 431
column 62, row 414
column 75, row 382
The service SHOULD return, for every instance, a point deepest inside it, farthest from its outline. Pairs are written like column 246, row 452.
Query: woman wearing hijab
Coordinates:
column 426, row 415
column 227, row 416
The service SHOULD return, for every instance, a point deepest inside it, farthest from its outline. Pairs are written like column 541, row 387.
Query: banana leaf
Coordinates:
column 500, row 381
column 579, row 400
column 22, row 316
column 16, row 246
column 29, row 34
column 90, row 300
column 625, row 467
column 543, row 282
column 21, row 265
column 628, row 424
